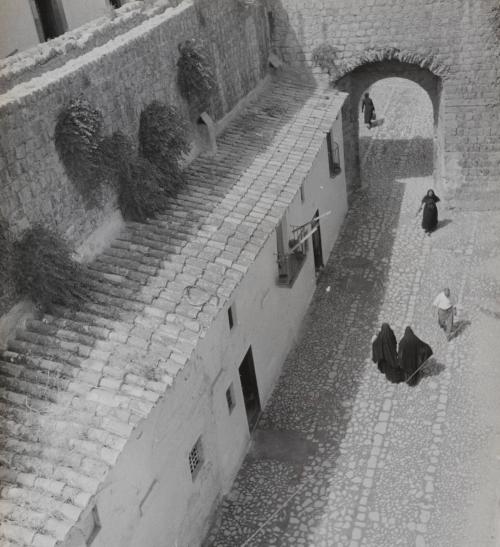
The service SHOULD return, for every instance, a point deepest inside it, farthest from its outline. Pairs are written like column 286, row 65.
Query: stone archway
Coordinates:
column 355, row 76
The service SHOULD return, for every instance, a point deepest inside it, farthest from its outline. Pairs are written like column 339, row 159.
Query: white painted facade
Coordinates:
column 17, row 27
column 149, row 497
column 21, row 27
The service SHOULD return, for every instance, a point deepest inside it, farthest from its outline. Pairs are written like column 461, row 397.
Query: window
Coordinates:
column 195, row 458
column 302, row 192
column 291, row 256
column 271, row 23
column 231, row 317
column 230, row 398
column 49, row 18
column 333, row 155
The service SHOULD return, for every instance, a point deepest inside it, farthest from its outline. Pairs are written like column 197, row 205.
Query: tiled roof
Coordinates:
column 74, row 385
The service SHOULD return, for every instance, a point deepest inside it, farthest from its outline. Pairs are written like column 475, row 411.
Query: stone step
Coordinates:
column 51, row 353
column 107, row 268
column 154, row 232
column 160, row 246
column 29, row 389
column 86, row 322
column 122, row 297
column 29, row 362
column 121, row 303
column 126, row 263
column 127, row 254
column 135, row 251
column 112, row 279
column 50, row 329
column 54, row 342
column 106, row 313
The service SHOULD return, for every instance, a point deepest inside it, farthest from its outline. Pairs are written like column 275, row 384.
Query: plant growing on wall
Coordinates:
column 45, row 271
column 325, row 56
column 195, row 76
column 5, row 261
column 140, row 184
column 77, row 140
column 163, row 141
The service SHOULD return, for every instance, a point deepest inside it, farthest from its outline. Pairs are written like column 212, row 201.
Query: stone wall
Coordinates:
column 455, row 40
column 119, row 78
column 32, row 62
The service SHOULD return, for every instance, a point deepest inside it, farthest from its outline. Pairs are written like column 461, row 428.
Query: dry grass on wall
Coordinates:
column 141, row 188
column 45, row 271
column 77, row 138
column 163, row 141
column 195, row 76
column 7, row 289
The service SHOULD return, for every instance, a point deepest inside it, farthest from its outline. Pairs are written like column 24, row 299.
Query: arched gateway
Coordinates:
column 355, row 76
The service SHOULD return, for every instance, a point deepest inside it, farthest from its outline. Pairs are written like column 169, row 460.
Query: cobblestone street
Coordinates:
column 342, row 457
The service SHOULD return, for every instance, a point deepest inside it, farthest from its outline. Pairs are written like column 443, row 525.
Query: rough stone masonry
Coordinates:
column 457, row 41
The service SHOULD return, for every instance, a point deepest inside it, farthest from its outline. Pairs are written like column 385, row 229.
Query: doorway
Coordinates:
column 50, row 18
column 250, row 389
column 316, row 243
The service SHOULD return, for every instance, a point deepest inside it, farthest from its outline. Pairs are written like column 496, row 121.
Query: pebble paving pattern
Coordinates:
column 391, row 465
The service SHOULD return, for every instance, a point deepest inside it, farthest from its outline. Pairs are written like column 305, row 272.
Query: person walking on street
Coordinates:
column 384, row 353
column 368, row 108
column 446, row 311
column 412, row 354
column 430, row 215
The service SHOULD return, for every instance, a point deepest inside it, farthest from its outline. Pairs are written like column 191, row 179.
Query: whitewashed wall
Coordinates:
column 150, row 499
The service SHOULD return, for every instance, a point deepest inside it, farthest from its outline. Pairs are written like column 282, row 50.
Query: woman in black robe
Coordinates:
column 368, row 108
column 430, row 215
column 412, row 353
column 385, row 355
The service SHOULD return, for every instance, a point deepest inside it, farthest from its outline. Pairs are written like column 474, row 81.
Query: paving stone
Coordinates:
column 383, row 449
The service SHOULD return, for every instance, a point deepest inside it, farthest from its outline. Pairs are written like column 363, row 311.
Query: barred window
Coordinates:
column 196, row 458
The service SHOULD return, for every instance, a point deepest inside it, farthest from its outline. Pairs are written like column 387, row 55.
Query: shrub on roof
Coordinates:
column 163, row 141
column 77, row 139
column 325, row 56
column 195, row 76
column 45, row 271
column 142, row 192
column 5, row 263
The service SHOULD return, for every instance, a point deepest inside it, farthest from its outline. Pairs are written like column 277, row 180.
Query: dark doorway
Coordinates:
column 316, row 243
column 51, row 18
column 116, row 3
column 250, row 389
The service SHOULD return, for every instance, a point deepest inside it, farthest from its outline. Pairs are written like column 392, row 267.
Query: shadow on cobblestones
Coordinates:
column 422, row 150
column 311, row 407
column 433, row 368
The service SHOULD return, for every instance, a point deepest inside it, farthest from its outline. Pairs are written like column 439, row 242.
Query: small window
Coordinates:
column 195, row 458
column 333, row 155
column 302, row 193
column 230, row 398
column 271, row 23
column 231, row 316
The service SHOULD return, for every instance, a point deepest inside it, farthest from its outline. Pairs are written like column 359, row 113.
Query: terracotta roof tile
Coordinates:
column 74, row 385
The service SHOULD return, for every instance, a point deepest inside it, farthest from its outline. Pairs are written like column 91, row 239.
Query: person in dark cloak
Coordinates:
column 384, row 353
column 412, row 353
column 368, row 108
column 430, row 215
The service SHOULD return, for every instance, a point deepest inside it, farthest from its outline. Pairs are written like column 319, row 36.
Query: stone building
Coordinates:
column 27, row 23
column 125, row 422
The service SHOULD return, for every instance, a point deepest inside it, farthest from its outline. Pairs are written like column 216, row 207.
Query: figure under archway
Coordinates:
column 362, row 78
